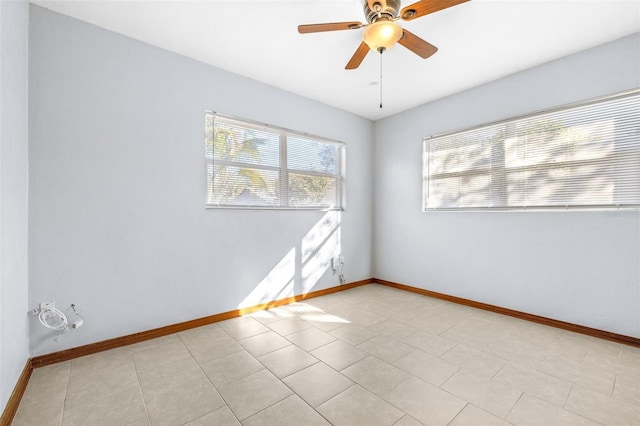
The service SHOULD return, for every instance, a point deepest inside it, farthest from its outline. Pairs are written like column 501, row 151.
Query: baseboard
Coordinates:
column 593, row 332
column 13, row 403
column 92, row 348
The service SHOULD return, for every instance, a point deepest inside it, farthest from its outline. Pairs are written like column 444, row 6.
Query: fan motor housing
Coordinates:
column 390, row 11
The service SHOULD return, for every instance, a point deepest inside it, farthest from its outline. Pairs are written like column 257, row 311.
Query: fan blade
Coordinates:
column 332, row 26
column 357, row 57
column 425, row 7
column 417, row 45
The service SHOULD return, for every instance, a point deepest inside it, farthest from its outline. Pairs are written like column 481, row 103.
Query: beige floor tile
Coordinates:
column 287, row 360
column 541, row 385
column 305, row 311
column 474, row 360
column 353, row 334
column 474, row 416
column 627, row 388
column 604, row 348
column 204, row 334
column 220, row 417
column 169, row 375
column 427, row 367
column 433, row 323
column 253, row 393
column 429, row 343
column 231, row 367
column 47, row 413
column 504, row 332
column 601, row 408
column 318, row 383
column 527, row 355
column 182, row 404
column 311, row 338
column 204, row 350
column 467, row 331
column 324, row 321
column 264, row 343
column 386, row 348
column 494, row 397
column 531, row 411
column 424, row 402
column 571, row 346
column 339, row 354
column 375, row 375
column 52, row 381
column 630, row 355
column 356, row 406
column 619, row 365
column 242, row 327
column 54, row 371
column 394, row 328
column 287, row 326
column 155, row 357
column 270, row 315
column 289, row 411
column 363, row 317
column 106, row 360
column 544, row 337
column 150, row 344
column 577, row 372
column 94, row 384
column 130, row 409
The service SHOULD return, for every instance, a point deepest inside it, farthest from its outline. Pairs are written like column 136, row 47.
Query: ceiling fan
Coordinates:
column 382, row 31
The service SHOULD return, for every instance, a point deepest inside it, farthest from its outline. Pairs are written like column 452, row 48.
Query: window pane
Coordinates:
column 245, row 145
column 243, row 186
column 312, row 191
column 312, row 155
column 584, row 156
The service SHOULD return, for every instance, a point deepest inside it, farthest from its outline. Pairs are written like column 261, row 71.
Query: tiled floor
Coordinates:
column 370, row 356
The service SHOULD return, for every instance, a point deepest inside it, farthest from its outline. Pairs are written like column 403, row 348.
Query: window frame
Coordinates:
column 283, row 168
column 426, row 172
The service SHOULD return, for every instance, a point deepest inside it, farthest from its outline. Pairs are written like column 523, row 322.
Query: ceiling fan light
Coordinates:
column 382, row 34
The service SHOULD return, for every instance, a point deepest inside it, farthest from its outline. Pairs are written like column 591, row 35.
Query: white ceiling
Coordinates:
column 479, row 41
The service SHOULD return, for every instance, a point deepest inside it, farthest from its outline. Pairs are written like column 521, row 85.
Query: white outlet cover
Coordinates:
column 47, row 305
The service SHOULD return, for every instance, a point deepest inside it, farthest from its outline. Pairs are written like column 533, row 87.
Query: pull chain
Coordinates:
column 381, row 50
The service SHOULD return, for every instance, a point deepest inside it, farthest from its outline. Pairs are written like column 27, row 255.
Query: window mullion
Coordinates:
column 284, row 172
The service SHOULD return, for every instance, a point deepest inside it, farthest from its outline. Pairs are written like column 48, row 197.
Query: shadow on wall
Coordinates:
column 300, row 268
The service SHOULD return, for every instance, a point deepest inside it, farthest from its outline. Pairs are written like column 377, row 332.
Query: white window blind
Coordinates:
column 582, row 156
column 250, row 165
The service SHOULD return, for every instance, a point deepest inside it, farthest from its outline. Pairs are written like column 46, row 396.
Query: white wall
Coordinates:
column 117, row 223
column 117, row 188
column 578, row 266
column 14, row 349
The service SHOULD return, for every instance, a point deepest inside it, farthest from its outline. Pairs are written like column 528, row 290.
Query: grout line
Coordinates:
column 613, row 388
column 564, row 404
column 144, row 401
column 66, row 393
column 459, row 412
column 514, row 406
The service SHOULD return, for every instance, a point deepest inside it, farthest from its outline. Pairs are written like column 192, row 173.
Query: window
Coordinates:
column 257, row 166
column 584, row 156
